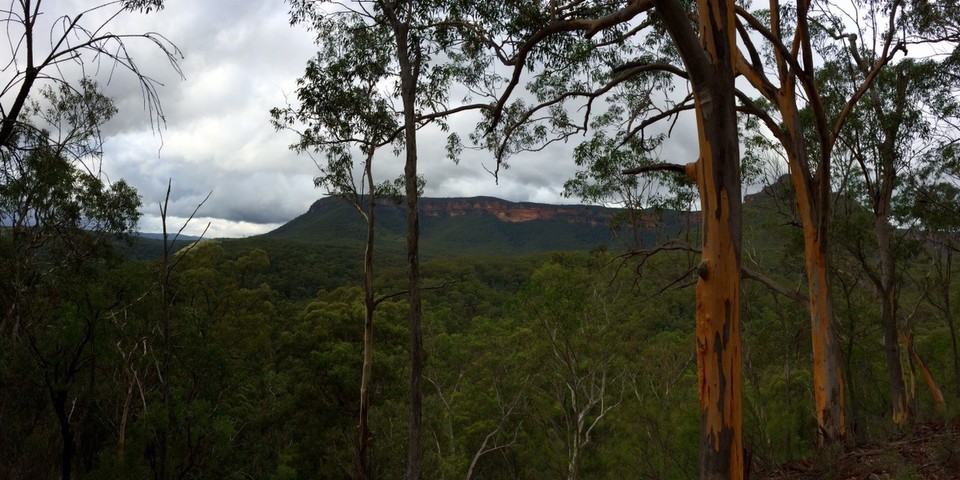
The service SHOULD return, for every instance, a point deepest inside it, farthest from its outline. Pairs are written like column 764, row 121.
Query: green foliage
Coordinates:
column 51, row 181
column 264, row 380
column 341, row 105
column 61, row 286
column 538, row 364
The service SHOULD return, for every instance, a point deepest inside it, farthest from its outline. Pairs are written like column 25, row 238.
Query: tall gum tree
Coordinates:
column 781, row 79
column 708, row 54
column 796, row 116
column 892, row 133
column 709, row 58
column 340, row 108
column 425, row 57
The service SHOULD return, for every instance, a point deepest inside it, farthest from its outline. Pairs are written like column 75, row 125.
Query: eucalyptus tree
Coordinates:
column 586, row 50
column 59, row 214
column 419, row 52
column 807, row 119
column 619, row 52
column 794, row 63
column 890, row 134
column 341, row 107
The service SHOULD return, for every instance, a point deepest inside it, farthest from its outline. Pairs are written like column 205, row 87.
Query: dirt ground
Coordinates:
column 932, row 451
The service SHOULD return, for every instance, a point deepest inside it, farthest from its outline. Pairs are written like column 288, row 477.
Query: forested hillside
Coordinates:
column 533, row 362
column 686, row 329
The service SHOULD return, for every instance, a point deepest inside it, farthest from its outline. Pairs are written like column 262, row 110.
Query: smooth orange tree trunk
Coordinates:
column 813, row 206
column 794, row 60
column 935, row 393
column 709, row 56
column 828, row 385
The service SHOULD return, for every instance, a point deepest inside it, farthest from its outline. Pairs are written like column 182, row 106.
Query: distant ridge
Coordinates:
column 159, row 236
column 504, row 210
column 475, row 225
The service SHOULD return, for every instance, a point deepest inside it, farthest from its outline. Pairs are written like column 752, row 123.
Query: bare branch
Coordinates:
column 776, row 287
column 685, row 105
column 388, row 296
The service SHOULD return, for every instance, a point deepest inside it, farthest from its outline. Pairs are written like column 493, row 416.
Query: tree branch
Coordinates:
column 388, row 296
column 776, row 287
column 689, row 169
column 591, row 26
column 682, row 107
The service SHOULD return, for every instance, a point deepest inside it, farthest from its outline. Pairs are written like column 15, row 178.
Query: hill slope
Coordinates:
column 464, row 226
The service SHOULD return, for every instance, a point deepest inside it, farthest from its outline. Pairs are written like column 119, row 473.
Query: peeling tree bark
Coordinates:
column 828, row 385
column 710, row 57
column 812, row 190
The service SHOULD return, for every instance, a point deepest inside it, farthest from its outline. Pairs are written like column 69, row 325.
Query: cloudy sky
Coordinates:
column 241, row 58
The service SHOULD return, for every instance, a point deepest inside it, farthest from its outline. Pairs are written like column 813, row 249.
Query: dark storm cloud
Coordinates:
column 240, row 59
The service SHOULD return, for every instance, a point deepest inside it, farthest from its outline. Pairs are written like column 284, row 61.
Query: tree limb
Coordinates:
column 591, row 26
column 776, row 287
column 388, row 296
column 689, row 169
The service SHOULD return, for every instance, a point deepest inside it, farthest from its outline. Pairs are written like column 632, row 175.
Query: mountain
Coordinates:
column 452, row 227
column 159, row 236
column 323, row 246
column 478, row 225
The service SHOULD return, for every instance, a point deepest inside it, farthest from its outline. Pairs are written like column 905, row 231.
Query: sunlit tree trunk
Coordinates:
column 709, row 57
column 828, row 385
column 813, row 207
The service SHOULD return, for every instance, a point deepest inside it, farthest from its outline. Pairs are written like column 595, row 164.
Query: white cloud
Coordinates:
column 240, row 59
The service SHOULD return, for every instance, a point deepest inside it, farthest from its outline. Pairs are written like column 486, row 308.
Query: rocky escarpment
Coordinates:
column 515, row 212
column 486, row 225
column 506, row 211
column 511, row 212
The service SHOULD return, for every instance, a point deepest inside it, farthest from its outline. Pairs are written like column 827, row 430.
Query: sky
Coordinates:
column 240, row 58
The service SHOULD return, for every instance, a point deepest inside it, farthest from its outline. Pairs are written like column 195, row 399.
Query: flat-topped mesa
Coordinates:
column 506, row 211
column 490, row 225
column 515, row 212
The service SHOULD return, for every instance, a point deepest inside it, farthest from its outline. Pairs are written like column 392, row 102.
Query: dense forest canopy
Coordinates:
column 374, row 340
